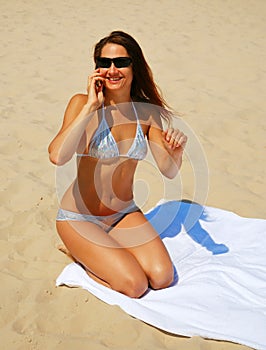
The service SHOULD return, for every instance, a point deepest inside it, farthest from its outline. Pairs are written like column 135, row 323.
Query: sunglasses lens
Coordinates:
column 119, row 62
column 103, row 62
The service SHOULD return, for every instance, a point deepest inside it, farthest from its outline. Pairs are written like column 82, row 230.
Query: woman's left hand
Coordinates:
column 174, row 140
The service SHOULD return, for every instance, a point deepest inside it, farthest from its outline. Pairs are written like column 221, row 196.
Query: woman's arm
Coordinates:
column 167, row 148
column 76, row 119
column 78, row 114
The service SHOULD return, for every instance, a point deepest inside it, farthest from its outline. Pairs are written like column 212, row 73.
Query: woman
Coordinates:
column 107, row 129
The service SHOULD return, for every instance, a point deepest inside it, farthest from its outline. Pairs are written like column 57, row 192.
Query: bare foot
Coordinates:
column 64, row 250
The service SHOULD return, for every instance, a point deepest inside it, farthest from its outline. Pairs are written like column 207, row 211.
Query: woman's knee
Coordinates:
column 162, row 276
column 133, row 285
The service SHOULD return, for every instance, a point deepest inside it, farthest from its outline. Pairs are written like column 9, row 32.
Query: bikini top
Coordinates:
column 104, row 146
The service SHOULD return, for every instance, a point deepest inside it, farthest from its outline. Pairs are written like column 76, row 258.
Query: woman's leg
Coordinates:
column 139, row 238
column 105, row 260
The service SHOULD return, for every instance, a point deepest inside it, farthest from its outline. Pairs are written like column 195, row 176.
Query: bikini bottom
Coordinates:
column 105, row 222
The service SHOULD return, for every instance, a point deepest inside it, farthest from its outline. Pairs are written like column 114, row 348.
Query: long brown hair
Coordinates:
column 143, row 87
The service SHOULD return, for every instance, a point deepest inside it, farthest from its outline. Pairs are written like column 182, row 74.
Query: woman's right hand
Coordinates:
column 95, row 89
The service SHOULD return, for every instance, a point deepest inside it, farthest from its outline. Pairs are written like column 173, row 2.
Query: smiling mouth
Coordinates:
column 114, row 78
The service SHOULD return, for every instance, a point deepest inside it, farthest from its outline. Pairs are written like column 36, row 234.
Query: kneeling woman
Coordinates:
column 108, row 129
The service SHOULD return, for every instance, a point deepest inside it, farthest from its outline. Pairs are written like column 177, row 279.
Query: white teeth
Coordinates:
column 114, row 79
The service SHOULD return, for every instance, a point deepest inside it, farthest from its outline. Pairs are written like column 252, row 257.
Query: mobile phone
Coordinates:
column 99, row 83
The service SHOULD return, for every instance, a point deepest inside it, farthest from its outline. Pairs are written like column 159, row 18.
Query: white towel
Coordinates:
column 220, row 259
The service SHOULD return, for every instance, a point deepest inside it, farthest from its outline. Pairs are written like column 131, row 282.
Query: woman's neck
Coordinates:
column 113, row 98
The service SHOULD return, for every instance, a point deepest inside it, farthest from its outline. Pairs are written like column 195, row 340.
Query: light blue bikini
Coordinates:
column 107, row 222
column 104, row 146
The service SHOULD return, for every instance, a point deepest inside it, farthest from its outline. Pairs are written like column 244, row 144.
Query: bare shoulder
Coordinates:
column 78, row 101
column 74, row 107
column 148, row 113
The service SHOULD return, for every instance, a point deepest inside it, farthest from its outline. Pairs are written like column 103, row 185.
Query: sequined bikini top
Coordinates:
column 104, row 146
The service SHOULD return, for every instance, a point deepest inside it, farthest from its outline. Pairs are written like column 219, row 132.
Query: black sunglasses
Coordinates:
column 119, row 62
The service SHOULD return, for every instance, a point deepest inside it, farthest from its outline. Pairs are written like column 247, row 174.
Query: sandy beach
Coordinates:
column 208, row 58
